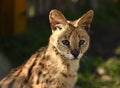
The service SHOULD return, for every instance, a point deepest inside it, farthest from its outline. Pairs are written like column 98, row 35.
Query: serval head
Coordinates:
column 70, row 38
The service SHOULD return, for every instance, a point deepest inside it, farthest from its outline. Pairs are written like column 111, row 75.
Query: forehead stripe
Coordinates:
column 72, row 27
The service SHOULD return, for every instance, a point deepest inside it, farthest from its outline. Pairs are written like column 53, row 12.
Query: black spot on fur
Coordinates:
column 11, row 84
column 30, row 70
column 47, row 80
column 51, row 80
column 47, row 57
column 42, row 65
column 39, row 73
column 68, row 65
column 25, row 81
column 44, row 75
column 37, row 55
column 65, row 75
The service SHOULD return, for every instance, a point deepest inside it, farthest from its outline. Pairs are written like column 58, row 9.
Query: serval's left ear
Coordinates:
column 85, row 21
column 56, row 17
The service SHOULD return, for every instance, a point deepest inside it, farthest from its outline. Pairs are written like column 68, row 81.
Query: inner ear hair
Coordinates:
column 56, row 17
column 85, row 27
column 86, row 20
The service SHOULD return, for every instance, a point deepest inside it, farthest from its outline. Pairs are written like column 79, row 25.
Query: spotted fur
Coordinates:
column 56, row 65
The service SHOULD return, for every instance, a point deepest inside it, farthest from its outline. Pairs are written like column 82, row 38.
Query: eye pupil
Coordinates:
column 66, row 42
column 81, row 42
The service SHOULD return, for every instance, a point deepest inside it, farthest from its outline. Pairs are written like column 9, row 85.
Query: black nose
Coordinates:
column 75, row 52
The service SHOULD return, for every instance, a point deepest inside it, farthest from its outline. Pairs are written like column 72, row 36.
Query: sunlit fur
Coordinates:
column 73, row 31
column 54, row 66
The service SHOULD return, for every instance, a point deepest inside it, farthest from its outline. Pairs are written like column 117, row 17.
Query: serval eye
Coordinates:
column 81, row 42
column 66, row 42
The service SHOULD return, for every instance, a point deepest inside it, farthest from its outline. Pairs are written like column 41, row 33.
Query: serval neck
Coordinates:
column 56, row 57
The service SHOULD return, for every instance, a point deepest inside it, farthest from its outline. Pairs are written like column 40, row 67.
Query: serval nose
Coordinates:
column 75, row 53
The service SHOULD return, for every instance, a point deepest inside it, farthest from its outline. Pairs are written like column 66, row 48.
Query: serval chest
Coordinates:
column 54, row 73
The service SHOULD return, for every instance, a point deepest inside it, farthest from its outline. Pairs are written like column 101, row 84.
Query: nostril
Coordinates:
column 75, row 52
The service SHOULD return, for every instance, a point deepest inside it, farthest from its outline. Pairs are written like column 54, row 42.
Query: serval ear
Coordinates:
column 56, row 17
column 85, row 21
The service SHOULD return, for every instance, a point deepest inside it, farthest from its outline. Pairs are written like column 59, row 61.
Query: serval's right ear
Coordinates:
column 56, row 17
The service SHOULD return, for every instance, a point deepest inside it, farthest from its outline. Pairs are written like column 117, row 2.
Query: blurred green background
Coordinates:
column 99, row 68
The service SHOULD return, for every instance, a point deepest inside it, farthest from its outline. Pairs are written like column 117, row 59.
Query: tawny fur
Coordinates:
column 54, row 66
